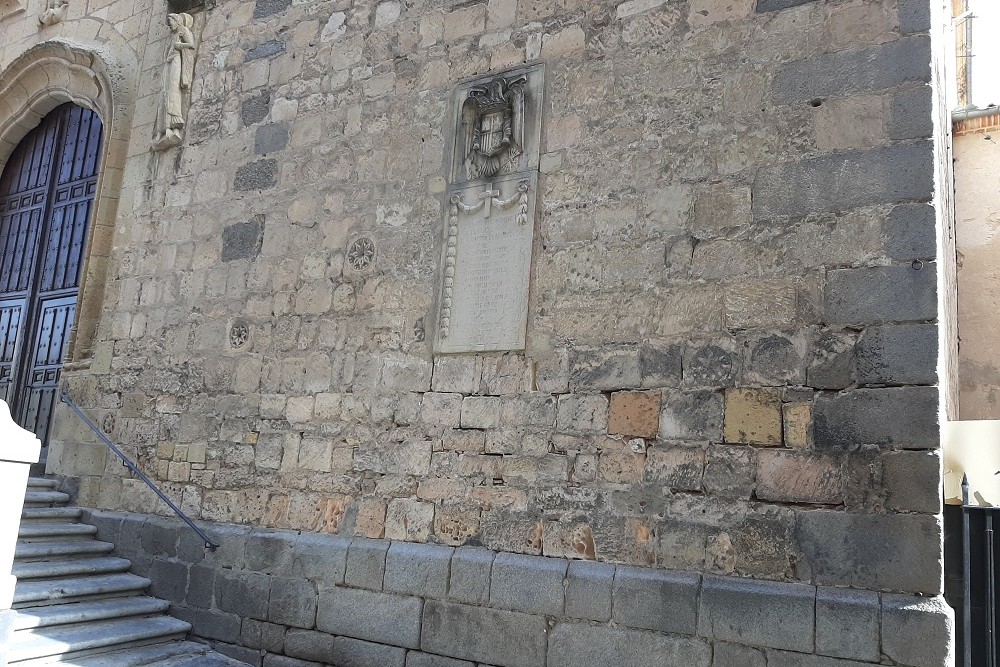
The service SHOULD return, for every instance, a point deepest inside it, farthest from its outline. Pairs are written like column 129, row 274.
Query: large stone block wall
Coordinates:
column 732, row 338
column 282, row 599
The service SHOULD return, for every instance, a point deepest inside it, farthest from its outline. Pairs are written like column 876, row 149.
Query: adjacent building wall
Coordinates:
column 977, row 212
column 732, row 336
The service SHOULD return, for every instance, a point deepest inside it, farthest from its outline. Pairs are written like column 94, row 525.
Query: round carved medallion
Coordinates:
column 239, row 334
column 361, row 253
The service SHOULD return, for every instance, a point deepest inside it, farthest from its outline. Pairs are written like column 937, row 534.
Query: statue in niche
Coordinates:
column 178, row 74
column 493, row 125
column 54, row 12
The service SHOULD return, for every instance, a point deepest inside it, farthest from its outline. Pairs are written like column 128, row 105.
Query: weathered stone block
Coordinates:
column 899, row 416
column 691, row 415
column 531, row 584
column 265, row 50
column 580, row 413
column 170, row 580
column 320, row 557
column 914, row 16
column 355, row 653
column 377, row 617
column 774, row 360
column 799, row 477
column 366, row 564
column 210, row 624
column 269, row 551
column 242, row 240
column 493, row 636
column 418, row 569
column 777, row 5
column 255, row 109
column 678, row 468
column 481, row 412
column 459, row 375
column 634, row 413
column 898, row 293
column 710, row 366
column 912, row 114
column 588, row 590
column 270, row 138
column 271, row 660
column 736, row 655
column 264, row 8
column 418, row 659
column 201, row 586
column 262, row 636
column 409, row 519
column 910, row 232
column 443, row 409
column 309, row 645
column 470, row 575
column 572, row 645
column 258, row 175
column 833, row 364
column 660, row 365
column 845, row 181
column 243, row 593
column 797, row 418
column 898, row 355
column 918, row 631
column 758, row 613
column 292, row 602
column 871, row 69
column 753, row 416
column 730, row 471
column 847, row 624
column 604, row 370
column 912, row 481
column 879, row 552
column 656, row 600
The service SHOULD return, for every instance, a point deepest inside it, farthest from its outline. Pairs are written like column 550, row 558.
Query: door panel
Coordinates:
column 47, row 191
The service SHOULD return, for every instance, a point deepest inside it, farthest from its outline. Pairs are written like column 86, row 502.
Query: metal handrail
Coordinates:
column 209, row 544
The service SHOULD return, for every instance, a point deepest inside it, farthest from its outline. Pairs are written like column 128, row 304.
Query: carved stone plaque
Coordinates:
column 487, row 265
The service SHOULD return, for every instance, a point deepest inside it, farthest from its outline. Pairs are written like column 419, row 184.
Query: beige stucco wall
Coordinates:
column 977, row 212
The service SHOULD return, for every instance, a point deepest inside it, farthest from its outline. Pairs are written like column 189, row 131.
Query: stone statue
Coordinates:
column 55, row 11
column 177, row 76
column 493, row 125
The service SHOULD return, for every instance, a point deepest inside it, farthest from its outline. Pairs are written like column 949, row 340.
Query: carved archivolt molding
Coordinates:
column 54, row 12
column 36, row 82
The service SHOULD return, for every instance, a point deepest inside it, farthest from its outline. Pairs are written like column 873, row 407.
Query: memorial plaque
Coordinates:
column 487, row 266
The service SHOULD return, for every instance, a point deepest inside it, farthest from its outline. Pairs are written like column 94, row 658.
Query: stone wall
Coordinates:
column 732, row 334
column 281, row 599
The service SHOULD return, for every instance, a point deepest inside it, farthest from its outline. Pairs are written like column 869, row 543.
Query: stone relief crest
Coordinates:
column 178, row 74
column 54, row 12
column 493, row 125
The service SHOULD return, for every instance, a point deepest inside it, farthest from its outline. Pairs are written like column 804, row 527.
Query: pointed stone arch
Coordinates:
column 36, row 82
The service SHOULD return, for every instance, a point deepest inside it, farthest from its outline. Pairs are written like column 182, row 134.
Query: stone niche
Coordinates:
column 490, row 212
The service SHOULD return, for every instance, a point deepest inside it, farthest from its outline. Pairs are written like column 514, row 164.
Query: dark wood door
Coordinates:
column 46, row 198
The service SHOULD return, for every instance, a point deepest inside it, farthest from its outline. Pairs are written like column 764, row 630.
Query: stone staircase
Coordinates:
column 77, row 605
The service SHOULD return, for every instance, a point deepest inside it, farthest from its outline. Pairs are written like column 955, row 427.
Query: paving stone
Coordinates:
column 418, row 569
column 758, row 613
column 899, row 416
column 572, row 645
column 588, row 590
column 532, row 584
column 366, row 564
column 871, row 69
column 656, row 600
column 349, row 652
column 378, row 617
column 847, row 624
column 470, row 575
column 494, row 636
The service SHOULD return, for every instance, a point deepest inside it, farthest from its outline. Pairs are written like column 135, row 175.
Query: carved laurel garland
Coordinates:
column 520, row 196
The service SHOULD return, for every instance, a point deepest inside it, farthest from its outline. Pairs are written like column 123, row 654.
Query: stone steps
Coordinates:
column 43, row 569
column 77, row 605
column 42, row 531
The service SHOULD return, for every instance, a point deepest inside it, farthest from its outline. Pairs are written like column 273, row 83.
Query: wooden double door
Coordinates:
column 47, row 193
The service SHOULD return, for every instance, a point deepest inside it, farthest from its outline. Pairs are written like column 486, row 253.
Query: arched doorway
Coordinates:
column 47, row 193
